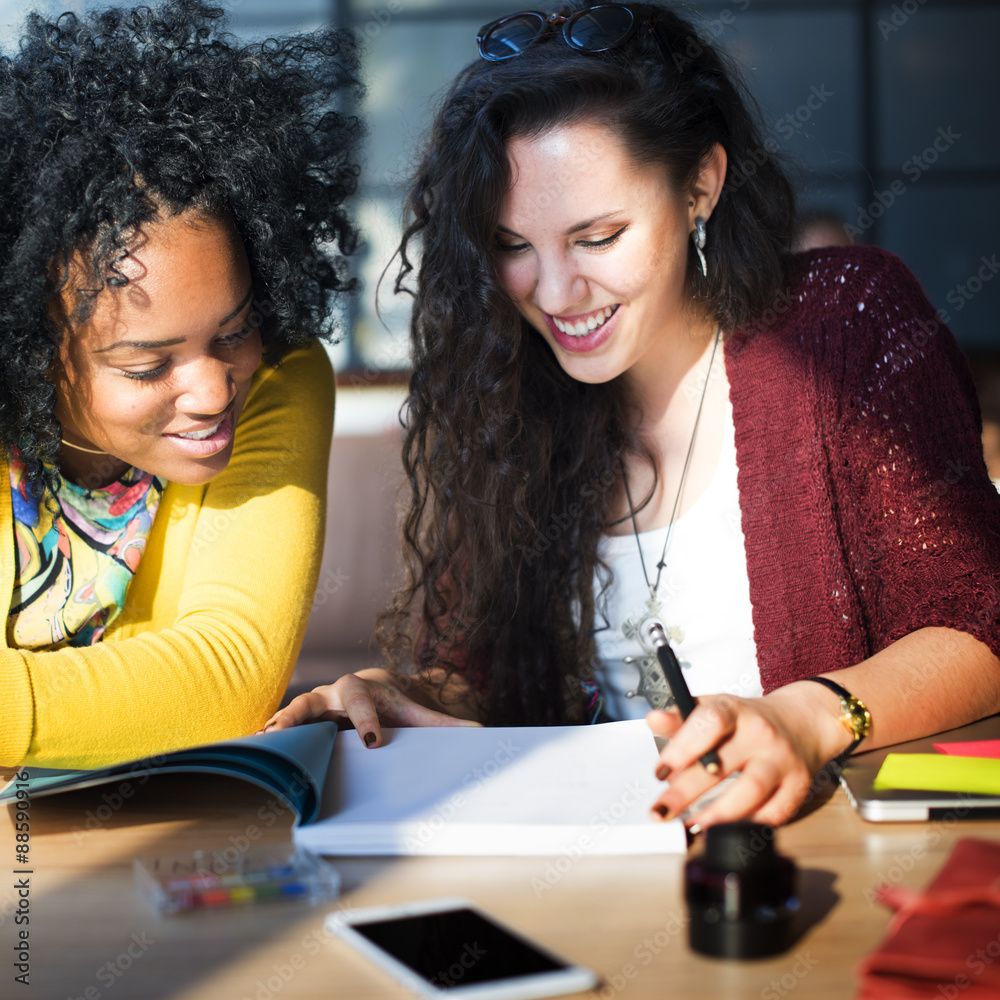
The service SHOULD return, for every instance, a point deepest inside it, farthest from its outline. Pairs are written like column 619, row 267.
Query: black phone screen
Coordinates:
column 457, row 948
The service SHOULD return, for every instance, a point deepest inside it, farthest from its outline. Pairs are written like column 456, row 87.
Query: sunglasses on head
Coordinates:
column 593, row 29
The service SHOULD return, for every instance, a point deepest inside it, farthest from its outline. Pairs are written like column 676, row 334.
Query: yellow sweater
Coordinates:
column 215, row 614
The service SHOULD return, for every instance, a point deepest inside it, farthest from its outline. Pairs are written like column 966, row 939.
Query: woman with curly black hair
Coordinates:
column 171, row 212
column 632, row 405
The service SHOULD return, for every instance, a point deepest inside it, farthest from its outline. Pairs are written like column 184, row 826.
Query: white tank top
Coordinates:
column 704, row 590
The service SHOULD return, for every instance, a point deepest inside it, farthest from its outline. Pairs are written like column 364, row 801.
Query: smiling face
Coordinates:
column 597, row 262
column 157, row 377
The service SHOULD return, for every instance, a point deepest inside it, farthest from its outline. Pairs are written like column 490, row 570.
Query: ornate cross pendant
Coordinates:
column 652, row 683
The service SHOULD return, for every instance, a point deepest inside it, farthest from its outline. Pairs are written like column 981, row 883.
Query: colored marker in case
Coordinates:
column 226, row 877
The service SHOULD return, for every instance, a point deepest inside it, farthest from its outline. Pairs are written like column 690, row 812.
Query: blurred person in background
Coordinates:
column 985, row 367
column 820, row 228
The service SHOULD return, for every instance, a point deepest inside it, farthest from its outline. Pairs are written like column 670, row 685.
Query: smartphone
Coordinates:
column 448, row 948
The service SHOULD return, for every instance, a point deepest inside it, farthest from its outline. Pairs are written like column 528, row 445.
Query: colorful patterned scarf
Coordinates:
column 75, row 556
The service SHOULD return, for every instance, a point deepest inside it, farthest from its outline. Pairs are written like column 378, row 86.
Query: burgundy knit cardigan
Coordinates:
column 866, row 506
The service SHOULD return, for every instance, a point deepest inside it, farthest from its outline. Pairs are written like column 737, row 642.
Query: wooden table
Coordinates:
column 91, row 936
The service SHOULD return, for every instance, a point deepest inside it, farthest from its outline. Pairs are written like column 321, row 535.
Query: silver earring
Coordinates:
column 699, row 236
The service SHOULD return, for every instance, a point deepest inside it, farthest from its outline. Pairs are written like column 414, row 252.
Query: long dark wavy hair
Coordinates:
column 114, row 119
column 513, row 466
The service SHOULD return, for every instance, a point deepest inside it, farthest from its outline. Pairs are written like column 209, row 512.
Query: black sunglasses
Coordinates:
column 593, row 29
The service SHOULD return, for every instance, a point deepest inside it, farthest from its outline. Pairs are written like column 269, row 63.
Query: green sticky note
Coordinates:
column 931, row 772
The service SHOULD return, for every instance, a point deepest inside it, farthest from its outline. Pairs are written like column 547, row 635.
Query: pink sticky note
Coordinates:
column 976, row 748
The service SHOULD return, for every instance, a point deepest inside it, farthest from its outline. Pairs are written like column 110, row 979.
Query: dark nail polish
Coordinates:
column 662, row 811
column 664, row 771
column 369, row 739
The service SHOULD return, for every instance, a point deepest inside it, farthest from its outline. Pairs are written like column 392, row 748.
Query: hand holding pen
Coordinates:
column 678, row 686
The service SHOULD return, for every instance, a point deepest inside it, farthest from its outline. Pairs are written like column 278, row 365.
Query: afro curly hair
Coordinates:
column 122, row 116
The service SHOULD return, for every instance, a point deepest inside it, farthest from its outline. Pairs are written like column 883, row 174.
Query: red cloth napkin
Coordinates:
column 942, row 943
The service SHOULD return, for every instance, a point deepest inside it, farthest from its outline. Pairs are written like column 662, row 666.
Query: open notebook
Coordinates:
column 575, row 789
column 529, row 791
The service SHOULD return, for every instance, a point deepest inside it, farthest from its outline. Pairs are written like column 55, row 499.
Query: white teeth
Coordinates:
column 588, row 325
column 201, row 435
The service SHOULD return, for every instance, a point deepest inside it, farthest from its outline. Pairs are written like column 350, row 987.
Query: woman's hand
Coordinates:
column 926, row 682
column 777, row 743
column 367, row 700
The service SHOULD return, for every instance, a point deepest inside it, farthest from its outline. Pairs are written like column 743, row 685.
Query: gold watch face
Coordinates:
column 856, row 717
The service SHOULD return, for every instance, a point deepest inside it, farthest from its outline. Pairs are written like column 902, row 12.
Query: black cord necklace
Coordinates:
column 652, row 684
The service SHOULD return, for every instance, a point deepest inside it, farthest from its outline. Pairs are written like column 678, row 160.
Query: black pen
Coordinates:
column 678, row 687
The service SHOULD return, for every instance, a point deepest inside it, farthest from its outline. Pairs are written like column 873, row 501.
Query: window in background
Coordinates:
column 413, row 50
column 868, row 100
column 879, row 105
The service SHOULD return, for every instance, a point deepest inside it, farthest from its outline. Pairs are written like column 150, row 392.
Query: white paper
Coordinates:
column 515, row 791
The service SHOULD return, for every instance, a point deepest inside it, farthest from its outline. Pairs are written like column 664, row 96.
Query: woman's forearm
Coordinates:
column 926, row 682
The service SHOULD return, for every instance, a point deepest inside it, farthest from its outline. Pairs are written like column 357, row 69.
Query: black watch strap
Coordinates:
column 853, row 713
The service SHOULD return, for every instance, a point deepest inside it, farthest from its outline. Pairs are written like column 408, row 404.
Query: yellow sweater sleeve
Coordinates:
column 215, row 615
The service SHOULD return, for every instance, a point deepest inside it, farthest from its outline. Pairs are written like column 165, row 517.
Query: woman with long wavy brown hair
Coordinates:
column 631, row 404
